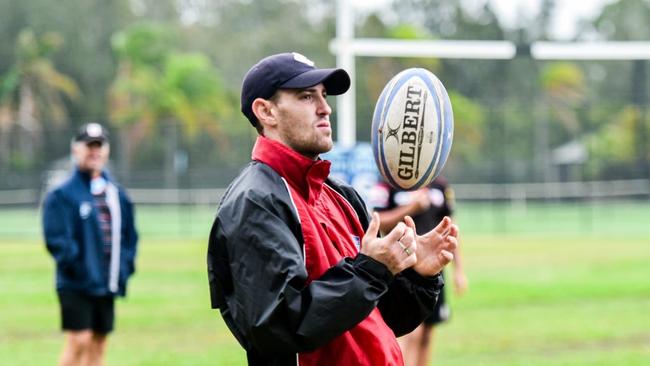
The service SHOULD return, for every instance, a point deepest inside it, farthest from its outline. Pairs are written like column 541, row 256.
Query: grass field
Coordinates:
column 549, row 285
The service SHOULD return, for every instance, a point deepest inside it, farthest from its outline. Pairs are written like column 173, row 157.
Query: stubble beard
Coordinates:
column 313, row 147
column 310, row 143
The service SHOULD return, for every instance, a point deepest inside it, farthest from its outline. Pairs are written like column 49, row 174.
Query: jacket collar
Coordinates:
column 85, row 176
column 303, row 174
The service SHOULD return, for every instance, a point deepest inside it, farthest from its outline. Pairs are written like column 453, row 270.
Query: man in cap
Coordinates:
column 294, row 262
column 89, row 230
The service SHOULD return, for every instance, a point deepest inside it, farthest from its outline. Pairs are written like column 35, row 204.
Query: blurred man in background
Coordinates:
column 428, row 206
column 294, row 261
column 89, row 230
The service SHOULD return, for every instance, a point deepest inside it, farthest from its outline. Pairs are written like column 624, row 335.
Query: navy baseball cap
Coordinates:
column 287, row 71
column 92, row 132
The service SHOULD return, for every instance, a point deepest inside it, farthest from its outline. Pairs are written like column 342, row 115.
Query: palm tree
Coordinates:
column 565, row 89
column 31, row 93
column 155, row 84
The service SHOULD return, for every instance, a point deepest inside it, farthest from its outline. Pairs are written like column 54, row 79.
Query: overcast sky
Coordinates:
column 567, row 12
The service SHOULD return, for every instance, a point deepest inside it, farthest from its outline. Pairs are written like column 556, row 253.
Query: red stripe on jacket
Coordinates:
column 329, row 224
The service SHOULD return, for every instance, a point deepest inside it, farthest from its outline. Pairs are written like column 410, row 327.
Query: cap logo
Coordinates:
column 94, row 130
column 301, row 58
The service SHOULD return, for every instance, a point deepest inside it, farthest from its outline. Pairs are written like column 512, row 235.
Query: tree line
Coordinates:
column 165, row 77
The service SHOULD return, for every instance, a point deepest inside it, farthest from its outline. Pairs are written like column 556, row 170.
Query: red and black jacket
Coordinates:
column 285, row 271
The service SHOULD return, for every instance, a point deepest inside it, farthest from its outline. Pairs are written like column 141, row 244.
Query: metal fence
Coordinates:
column 516, row 193
column 521, row 151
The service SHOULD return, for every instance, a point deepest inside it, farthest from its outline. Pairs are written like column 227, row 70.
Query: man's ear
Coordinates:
column 262, row 109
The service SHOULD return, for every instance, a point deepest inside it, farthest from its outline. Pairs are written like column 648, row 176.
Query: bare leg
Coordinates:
column 425, row 346
column 76, row 348
column 410, row 345
column 98, row 349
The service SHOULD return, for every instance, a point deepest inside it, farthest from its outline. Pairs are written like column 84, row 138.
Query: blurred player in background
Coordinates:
column 294, row 262
column 89, row 230
column 428, row 206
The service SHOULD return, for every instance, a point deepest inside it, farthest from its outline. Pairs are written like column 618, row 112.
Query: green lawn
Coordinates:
column 165, row 320
column 621, row 219
column 545, row 289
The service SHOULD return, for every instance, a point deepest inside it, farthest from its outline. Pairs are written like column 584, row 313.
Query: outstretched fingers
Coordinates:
column 396, row 250
column 373, row 226
column 396, row 233
column 409, row 222
column 401, row 246
column 451, row 243
column 436, row 248
column 407, row 248
column 445, row 257
column 446, row 254
column 443, row 227
column 453, row 231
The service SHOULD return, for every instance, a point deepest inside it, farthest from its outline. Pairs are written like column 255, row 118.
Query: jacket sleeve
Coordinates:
column 257, row 265
column 129, row 245
column 57, row 229
column 409, row 300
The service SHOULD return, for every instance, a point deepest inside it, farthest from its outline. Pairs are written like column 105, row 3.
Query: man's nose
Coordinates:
column 324, row 107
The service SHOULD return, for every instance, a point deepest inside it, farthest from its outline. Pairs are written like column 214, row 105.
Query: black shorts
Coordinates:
column 441, row 311
column 81, row 312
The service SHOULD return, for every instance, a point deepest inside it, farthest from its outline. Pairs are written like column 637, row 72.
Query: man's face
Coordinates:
column 303, row 120
column 90, row 156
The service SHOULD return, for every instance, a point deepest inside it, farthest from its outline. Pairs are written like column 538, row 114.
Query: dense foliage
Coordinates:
column 165, row 76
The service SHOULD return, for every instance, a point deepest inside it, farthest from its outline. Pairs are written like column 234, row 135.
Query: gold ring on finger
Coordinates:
column 408, row 251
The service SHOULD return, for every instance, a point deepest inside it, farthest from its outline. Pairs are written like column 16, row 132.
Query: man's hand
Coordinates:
column 397, row 250
column 434, row 249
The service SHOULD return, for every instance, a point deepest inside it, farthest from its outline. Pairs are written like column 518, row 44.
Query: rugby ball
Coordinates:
column 412, row 129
